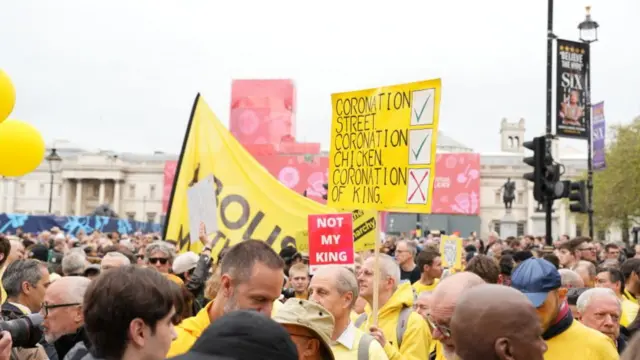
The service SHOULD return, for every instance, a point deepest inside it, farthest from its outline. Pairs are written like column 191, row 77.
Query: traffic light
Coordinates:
column 578, row 196
column 538, row 162
column 326, row 190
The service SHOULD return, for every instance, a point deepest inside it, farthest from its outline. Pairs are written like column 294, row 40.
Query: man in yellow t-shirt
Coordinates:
column 566, row 338
column 430, row 265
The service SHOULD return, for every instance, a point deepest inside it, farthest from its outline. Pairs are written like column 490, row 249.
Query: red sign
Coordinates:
column 456, row 189
column 330, row 240
column 169, row 173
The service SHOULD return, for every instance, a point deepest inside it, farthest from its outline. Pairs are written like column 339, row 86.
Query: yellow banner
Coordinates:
column 383, row 147
column 252, row 204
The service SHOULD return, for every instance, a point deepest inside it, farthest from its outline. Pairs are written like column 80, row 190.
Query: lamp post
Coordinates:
column 589, row 34
column 55, row 161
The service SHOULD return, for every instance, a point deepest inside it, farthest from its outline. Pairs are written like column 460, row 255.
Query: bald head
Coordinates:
column 570, row 279
column 491, row 321
column 69, row 289
column 444, row 301
column 456, row 284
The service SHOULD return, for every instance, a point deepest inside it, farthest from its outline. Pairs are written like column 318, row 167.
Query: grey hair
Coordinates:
column 74, row 263
column 411, row 246
column 425, row 294
column 388, row 267
column 570, row 279
column 345, row 280
column 162, row 246
column 76, row 287
column 21, row 271
column 585, row 299
column 117, row 255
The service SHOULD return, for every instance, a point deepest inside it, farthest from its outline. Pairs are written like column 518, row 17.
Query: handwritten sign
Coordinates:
column 330, row 240
column 383, row 142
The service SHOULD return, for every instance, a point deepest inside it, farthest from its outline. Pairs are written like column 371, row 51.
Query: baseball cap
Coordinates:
column 243, row 335
column 535, row 278
column 184, row 262
column 309, row 315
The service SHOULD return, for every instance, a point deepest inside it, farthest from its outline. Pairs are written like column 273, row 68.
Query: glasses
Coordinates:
column 46, row 307
column 162, row 261
column 445, row 331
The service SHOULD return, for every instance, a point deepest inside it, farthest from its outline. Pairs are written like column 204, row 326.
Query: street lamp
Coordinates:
column 588, row 28
column 589, row 34
column 55, row 161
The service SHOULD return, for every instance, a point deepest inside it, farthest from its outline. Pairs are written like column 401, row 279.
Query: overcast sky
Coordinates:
column 121, row 75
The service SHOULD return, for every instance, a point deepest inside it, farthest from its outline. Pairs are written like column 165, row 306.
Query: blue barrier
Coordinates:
column 9, row 223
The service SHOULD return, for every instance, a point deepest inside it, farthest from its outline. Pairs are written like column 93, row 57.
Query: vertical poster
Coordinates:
column 572, row 74
column 383, row 148
column 203, row 210
column 598, row 133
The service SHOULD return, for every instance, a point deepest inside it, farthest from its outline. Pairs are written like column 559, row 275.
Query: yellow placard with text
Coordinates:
column 251, row 203
column 451, row 252
column 383, row 147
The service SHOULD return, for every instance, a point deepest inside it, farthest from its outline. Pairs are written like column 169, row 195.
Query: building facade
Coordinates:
column 132, row 184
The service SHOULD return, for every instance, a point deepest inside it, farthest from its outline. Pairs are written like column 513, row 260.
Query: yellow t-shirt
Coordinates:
column 2, row 292
column 629, row 312
column 580, row 342
column 420, row 287
column 347, row 345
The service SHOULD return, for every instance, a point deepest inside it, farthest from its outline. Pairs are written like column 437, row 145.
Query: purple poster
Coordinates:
column 597, row 135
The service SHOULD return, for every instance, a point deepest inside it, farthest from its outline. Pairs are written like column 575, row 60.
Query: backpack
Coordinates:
column 363, row 346
column 403, row 319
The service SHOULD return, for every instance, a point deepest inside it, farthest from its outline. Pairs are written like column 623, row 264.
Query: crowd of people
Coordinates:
column 112, row 296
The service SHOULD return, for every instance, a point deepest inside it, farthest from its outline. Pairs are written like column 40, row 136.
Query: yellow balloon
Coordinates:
column 21, row 148
column 7, row 96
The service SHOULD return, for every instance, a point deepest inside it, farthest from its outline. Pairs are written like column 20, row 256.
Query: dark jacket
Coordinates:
column 9, row 312
column 623, row 338
column 65, row 343
column 196, row 284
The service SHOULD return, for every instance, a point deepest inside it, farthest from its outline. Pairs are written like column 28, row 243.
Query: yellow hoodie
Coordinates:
column 417, row 337
column 190, row 329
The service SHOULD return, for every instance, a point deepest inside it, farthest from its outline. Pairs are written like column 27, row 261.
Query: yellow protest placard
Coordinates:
column 451, row 252
column 383, row 147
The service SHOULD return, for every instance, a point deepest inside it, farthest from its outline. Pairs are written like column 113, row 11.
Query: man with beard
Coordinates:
column 251, row 277
column 496, row 322
column 444, row 301
column 566, row 338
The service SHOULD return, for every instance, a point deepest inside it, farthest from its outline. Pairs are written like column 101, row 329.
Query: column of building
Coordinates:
column 78, row 208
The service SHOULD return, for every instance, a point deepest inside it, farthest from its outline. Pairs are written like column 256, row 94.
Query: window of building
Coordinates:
column 521, row 226
column 42, row 189
column 602, row 235
column 510, row 142
column 96, row 190
column 132, row 191
column 516, row 142
column 578, row 229
column 131, row 216
column 496, row 226
column 152, row 192
column 151, row 217
column 22, row 189
column 520, row 197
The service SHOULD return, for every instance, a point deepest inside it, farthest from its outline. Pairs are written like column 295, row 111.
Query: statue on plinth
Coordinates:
column 509, row 193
